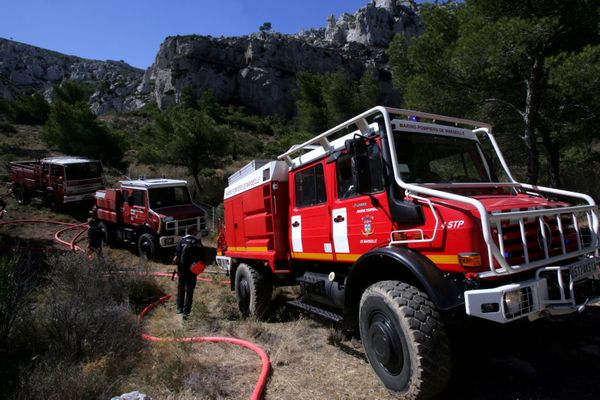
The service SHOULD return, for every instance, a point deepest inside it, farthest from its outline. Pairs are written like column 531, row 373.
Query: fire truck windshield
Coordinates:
column 168, row 196
column 426, row 158
column 84, row 170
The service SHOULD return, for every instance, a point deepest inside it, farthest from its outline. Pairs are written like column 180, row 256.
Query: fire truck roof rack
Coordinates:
column 360, row 121
column 152, row 183
column 64, row 160
column 246, row 170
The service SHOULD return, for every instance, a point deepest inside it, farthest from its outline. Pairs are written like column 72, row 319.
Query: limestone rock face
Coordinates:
column 376, row 23
column 256, row 71
column 25, row 68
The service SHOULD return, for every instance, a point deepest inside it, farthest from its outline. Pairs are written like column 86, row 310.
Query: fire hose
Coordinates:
column 266, row 364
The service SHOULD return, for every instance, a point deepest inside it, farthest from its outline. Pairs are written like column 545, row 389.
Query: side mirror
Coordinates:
column 361, row 168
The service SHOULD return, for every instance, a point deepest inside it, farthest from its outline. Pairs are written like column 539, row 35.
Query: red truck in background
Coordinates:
column 55, row 180
column 151, row 214
column 395, row 220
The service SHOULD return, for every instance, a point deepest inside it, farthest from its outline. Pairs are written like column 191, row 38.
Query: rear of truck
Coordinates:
column 256, row 209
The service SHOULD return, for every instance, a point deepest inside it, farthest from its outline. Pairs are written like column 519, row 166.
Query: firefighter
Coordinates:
column 189, row 251
column 94, row 235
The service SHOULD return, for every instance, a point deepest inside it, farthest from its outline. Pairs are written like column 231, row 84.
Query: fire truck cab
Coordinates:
column 152, row 214
column 395, row 217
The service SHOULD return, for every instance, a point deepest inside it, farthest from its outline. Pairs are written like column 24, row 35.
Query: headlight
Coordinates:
column 512, row 302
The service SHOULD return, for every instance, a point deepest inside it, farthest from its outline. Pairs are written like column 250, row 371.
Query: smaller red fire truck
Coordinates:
column 395, row 222
column 55, row 180
column 151, row 214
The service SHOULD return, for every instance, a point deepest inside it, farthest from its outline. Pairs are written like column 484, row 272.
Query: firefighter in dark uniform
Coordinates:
column 189, row 250
column 95, row 235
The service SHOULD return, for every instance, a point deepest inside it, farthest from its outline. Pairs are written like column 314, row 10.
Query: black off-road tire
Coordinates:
column 51, row 202
column 404, row 339
column 22, row 195
column 147, row 247
column 253, row 292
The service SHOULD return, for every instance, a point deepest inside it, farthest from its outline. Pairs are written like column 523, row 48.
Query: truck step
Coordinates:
column 298, row 303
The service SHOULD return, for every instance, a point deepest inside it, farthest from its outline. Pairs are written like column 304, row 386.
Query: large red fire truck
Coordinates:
column 394, row 218
column 55, row 180
column 152, row 214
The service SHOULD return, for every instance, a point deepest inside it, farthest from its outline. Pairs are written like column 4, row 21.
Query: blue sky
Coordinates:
column 132, row 30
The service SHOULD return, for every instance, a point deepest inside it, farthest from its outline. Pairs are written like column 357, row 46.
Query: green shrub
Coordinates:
column 28, row 110
column 68, row 380
column 82, row 334
column 75, row 130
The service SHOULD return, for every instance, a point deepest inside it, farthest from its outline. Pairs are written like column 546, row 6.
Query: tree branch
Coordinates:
column 506, row 103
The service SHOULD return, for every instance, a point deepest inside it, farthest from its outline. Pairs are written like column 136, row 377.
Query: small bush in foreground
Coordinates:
column 83, row 331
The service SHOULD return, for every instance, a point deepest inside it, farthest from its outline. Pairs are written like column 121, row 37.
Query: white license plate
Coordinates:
column 583, row 271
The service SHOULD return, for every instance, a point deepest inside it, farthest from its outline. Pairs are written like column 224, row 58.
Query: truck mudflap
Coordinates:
column 555, row 291
column 224, row 263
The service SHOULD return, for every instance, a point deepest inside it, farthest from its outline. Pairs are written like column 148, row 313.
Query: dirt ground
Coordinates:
column 313, row 359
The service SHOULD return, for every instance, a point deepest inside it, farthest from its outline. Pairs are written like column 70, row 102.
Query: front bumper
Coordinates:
column 169, row 241
column 555, row 290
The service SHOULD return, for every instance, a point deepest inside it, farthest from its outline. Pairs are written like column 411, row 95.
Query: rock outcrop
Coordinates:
column 259, row 71
column 376, row 23
column 256, row 71
column 25, row 68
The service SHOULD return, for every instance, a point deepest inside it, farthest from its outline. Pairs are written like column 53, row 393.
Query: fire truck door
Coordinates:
column 57, row 179
column 360, row 222
column 309, row 231
column 134, row 209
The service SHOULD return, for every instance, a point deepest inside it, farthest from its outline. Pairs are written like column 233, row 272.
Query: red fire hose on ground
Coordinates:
column 266, row 364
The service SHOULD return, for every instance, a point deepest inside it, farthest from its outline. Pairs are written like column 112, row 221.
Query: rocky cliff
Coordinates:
column 256, row 71
column 259, row 71
column 25, row 68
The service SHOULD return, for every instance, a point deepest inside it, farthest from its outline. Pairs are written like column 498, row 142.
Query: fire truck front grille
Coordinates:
column 537, row 245
column 178, row 227
column 526, row 237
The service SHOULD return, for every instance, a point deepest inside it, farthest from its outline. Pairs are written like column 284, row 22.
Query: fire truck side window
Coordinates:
column 139, row 198
column 345, row 179
column 57, row 171
column 310, row 187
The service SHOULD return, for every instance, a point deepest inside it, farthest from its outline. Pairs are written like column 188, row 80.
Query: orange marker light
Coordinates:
column 401, row 236
column 469, row 260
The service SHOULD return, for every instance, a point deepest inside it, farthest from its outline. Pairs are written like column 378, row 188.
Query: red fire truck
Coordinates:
column 395, row 218
column 55, row 180
column 151, row 214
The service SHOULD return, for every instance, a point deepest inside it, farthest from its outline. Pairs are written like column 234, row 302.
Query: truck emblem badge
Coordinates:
column 367, row 227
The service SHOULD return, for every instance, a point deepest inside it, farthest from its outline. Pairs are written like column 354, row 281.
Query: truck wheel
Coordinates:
column 253, row 292
column 147, row 246
column 404, row 339
column 22, row 195
column 51, row 202
column 107, row 238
